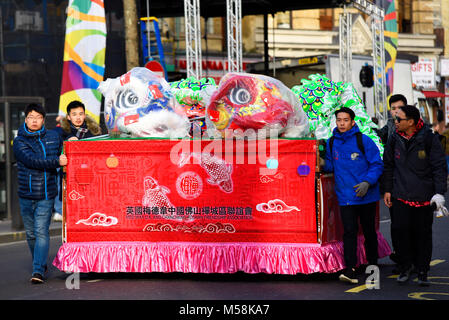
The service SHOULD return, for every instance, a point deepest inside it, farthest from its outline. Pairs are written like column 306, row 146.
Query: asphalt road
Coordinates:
column 15, row 270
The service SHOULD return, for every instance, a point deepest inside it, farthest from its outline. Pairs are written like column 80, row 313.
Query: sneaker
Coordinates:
column 349, row 276
column 37, row 278
column 422, row 279
column 57, row 217
column 394, row 257
column 404, row 276
column 396, row 270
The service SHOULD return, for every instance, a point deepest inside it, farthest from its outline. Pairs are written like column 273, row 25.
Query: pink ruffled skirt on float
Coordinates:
column 271, row 258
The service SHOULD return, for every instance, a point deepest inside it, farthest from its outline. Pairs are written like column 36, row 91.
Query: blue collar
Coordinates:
column 39, row 132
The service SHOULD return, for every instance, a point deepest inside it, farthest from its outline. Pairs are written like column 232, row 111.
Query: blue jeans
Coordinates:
column 58, row 203
column 36, row 216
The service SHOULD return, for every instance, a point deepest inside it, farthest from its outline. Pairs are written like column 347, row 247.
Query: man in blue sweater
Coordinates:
column 355, row 160
column 38, row 155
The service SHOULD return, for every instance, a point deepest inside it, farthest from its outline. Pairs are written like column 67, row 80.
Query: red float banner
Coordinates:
column 191, row 190
column 331, row 226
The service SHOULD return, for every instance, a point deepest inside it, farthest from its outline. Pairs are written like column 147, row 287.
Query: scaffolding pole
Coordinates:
column 193, row 38
column 377, row 29
column 234, row 34
column 380, row 89
column 345, row 36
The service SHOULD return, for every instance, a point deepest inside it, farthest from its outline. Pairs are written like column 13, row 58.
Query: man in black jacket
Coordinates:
column 77, row 124
column 396, row 101
column 38, row 154
column 415, row 178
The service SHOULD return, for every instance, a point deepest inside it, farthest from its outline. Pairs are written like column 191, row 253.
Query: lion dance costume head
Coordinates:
column 140, row 103
column 248, row 101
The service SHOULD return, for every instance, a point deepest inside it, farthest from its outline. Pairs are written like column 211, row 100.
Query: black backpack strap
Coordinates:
column 331, row 143
column 360, row 145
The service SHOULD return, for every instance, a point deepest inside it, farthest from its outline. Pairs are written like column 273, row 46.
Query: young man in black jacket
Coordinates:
column 77, row 125
column 396, row 101
column 415, row 178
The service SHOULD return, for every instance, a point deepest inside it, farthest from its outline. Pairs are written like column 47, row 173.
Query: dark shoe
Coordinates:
column 422, row 279
column 414, row 270
column 349, row 276
column 394, row 257
column 404, row 276
column 37, row 278
column 396, row 270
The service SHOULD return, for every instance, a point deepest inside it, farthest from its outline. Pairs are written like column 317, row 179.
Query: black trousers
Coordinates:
column 350, row 216
column 392, row 230
column 413, row 232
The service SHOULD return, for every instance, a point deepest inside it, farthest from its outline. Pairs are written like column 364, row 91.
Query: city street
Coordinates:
column 15, row 270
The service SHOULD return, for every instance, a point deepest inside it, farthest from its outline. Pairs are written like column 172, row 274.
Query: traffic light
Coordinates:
column 366, row 76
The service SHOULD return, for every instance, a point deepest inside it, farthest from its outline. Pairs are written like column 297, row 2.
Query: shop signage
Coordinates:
column 423, row 73
column 444, row 67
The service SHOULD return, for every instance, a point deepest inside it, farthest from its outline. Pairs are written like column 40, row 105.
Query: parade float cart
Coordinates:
column 203, row 206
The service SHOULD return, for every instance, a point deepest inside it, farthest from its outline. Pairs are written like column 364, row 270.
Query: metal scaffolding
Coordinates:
column 380, row 86
column 193, row 38
column 377, row 29
column 234, row 34
column 345, row 37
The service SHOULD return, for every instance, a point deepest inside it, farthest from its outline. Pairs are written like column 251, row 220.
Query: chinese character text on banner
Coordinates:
column 84, row 55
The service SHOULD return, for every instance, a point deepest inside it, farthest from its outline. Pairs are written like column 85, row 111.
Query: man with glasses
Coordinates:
column 415, row 179
column 38, row 155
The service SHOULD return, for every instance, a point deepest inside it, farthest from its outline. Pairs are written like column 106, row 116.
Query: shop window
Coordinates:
column 326, row 19
column 404, row 11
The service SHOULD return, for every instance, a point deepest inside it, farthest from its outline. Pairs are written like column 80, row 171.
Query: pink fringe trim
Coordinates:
column 272, row 258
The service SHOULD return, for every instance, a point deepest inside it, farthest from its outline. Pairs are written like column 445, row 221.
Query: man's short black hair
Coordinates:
column 35, row 107
column 346, row 110
column 75, row 104
column 411, row 112
column 397, row 97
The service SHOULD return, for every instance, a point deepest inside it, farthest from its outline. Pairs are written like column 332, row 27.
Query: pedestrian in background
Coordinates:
column 396, row 101
column 77, row 125
column 415, row 178
column 38, row 155
column 355, row 160
column 57, row 208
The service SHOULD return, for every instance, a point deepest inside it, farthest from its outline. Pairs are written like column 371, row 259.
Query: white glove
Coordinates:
column 438, row 199
column 439, row 213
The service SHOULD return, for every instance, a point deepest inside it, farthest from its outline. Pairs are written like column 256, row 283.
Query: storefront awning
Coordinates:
column 434, row 94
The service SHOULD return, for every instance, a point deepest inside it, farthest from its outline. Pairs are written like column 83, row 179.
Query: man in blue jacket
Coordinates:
column 355, row 160
column 38, row 155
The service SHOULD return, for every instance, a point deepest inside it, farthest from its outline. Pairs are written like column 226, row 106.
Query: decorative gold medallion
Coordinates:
column 112, row 161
